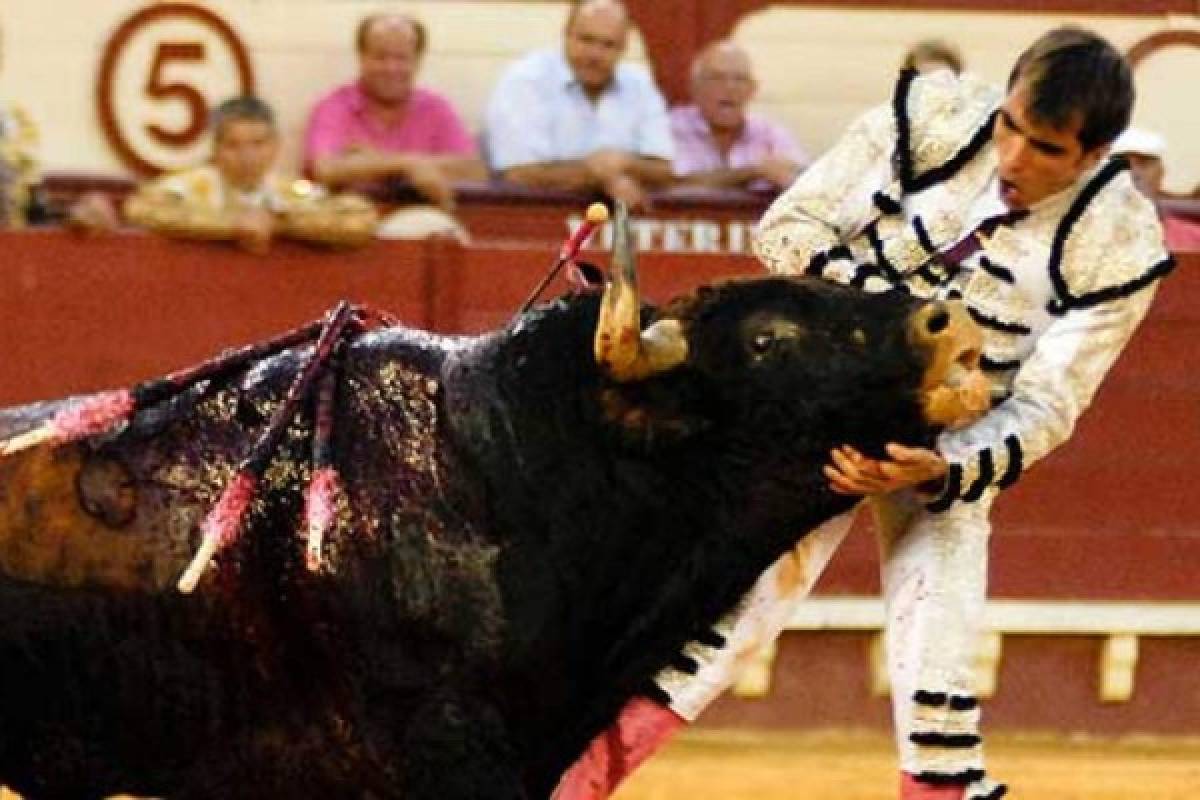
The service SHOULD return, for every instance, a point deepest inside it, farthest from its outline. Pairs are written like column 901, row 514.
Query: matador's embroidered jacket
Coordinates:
column 1058, row 291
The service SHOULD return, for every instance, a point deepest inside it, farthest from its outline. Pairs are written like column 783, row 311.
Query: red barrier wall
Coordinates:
column 1112, row 516
column 85, row 314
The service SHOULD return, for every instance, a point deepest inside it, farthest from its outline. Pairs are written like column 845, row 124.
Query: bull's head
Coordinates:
column 781, row 341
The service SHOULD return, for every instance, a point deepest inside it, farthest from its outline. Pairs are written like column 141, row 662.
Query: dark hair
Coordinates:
column 246, row 107
column 933, row 50
column 1072, row 73
column 364, row 30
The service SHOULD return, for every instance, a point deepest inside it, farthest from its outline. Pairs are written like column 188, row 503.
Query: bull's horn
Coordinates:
column 623, row 349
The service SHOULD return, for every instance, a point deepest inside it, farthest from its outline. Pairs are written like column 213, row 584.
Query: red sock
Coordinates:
column 642, row 727
column 913, row 789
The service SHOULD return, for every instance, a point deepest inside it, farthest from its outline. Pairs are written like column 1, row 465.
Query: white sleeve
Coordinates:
column 806, row 227
column 1052, row 389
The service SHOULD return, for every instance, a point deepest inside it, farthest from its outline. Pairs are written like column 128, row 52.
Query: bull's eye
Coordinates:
column 765, row 335
column 762, row 342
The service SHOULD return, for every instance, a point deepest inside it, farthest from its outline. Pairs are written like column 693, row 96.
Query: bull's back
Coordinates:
column 112, row 681
column 74, row 518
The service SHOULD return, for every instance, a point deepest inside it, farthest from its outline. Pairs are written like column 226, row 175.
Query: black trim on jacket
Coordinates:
column 1015, row 462
column 998, row 324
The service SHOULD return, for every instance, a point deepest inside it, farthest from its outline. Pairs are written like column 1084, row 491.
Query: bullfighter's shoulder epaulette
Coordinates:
column 1109, row 243
column 942, row 122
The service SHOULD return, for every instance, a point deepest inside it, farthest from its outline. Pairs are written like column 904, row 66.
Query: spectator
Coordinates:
column 933, row 54
column 575, row 118
column 238, row 197
column 18, row 167
column 383, row 126
column 717, row 143
column 1144, row 150
column 21, row 199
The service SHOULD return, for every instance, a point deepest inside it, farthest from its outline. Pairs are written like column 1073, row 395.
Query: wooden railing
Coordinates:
column 691, row 220
column 679, row 220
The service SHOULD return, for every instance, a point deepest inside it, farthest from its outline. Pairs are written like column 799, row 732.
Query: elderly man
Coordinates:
column 1008, row 201
column 238, row 197
column 717, row 142
column 385, row 126
column 21, row 202
column 1144, row 150
column 576, row 118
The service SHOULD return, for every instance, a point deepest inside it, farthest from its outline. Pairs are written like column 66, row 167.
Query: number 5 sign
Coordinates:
column 162, row 70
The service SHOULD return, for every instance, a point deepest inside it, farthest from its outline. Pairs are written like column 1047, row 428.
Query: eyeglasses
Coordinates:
column 737, row 79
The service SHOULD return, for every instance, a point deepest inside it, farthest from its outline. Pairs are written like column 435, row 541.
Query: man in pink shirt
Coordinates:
column 717, row 143
column 382, row 126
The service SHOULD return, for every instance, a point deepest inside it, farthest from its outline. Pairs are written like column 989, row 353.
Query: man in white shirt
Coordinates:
column 576, row 118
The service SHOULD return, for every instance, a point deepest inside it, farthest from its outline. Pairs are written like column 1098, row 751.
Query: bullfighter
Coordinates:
column 1009, row 201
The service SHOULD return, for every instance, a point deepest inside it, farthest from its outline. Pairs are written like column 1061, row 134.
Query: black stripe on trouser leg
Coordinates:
column 950, row 778
column 962, row 702
column 685, row 664
column 951, row 740
column 995, row 794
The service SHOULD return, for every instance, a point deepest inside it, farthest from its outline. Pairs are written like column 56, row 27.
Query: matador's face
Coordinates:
column 1037, row 160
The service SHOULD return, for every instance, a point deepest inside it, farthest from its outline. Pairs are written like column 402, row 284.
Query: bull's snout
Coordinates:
column 954, row 390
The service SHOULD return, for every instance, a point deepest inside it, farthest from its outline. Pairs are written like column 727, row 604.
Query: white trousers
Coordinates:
column 934, row 577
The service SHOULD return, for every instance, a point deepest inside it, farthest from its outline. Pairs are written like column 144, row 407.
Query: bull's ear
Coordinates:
column 647, row 416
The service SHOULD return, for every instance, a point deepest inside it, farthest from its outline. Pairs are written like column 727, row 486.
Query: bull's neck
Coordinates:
column 612, row 557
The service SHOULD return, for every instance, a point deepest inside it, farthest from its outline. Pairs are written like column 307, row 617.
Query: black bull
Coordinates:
column 521, row 544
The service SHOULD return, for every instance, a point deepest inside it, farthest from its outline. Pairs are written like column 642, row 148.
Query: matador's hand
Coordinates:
column 853, row 473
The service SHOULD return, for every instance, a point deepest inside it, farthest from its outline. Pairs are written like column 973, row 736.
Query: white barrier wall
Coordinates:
column 819, row 66
column 299, row 49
